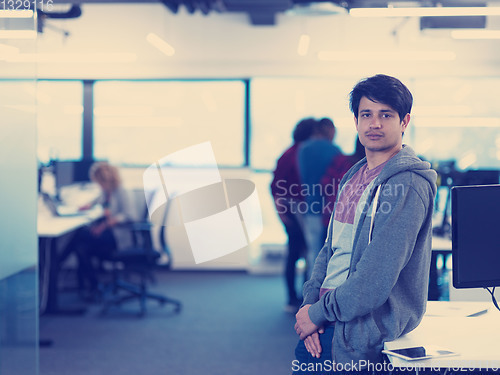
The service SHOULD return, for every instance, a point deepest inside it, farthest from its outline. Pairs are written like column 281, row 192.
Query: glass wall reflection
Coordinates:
column 18, row 246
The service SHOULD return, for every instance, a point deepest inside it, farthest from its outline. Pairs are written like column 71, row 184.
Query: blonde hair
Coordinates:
column 105, row 174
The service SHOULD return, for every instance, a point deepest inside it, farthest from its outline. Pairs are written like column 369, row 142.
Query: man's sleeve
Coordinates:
column 313, row 285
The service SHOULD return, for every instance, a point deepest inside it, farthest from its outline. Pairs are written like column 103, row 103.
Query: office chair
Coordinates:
column 139, row 262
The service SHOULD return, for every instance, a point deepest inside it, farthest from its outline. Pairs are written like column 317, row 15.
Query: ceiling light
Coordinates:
column 467, row 160
column 159, row 43
column 17, row 34
column 303, row 46
column 475, row 34
column 425, row 12
column 386, row 56
column 78, row 58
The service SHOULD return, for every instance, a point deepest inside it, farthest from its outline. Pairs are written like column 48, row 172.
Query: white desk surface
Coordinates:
column 56, row 226
column 476, row 339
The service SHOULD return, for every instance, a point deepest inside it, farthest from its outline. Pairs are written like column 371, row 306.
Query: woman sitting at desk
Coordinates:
column 104, row 237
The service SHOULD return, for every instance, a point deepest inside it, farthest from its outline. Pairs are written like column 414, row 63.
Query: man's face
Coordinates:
column 379, row 126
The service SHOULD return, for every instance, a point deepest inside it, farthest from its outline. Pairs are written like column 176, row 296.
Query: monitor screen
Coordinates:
column 63, row 173
column 81, row 170
column 480, row 177
column 475, row 220
column 68, row 172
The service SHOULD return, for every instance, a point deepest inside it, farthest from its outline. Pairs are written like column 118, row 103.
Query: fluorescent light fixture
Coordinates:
column 475, row 34
column 160, row 44
column 369, row 56
column 17, row 34
column 316, row 9
column 303, row 46
column 467, row 160
column 76, row 58
column 425, row 11
column 22, row 13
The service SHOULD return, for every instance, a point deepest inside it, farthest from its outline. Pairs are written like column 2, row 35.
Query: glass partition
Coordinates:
column 18, row 254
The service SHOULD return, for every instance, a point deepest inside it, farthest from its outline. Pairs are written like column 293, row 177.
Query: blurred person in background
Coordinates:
column 287, row 193
column 314, row 156
column 100, row 240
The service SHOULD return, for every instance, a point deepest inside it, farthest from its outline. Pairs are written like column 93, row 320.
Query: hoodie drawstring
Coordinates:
column 374, row 210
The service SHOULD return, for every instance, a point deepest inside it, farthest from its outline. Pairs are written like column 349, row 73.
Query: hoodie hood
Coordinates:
column 407, row 160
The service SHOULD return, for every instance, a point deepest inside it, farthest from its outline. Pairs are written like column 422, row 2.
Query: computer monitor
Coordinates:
column 63, row 173
column 81, row 170
column 475, row 217
column 69, row 172
column 480, row 177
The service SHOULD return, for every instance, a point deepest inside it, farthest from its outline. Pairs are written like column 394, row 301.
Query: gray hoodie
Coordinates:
column 385, row 293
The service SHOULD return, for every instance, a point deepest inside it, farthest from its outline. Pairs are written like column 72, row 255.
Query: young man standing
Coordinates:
column 370, row 279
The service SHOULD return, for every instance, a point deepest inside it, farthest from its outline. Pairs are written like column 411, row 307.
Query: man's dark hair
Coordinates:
column 304, row 129
column 382, row 89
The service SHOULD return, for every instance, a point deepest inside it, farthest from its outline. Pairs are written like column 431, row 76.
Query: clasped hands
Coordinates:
column 308, row 331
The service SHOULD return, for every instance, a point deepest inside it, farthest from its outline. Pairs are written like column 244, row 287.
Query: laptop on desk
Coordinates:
column 61, row 210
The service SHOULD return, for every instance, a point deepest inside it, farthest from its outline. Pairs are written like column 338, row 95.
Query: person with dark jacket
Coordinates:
column 287, row 193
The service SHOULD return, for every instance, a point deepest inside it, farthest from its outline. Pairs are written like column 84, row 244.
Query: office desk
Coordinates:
column 50, row 229
column 475, row 338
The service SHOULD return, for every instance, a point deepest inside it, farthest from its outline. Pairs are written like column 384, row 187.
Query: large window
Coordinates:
column 138, row 122
column 458, row 119
column 452, row 118
column 59, row 119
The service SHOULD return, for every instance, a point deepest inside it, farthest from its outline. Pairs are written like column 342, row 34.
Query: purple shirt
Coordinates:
column 352, row 191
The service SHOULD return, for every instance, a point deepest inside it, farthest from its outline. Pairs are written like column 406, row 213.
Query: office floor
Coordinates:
column 231, row 323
